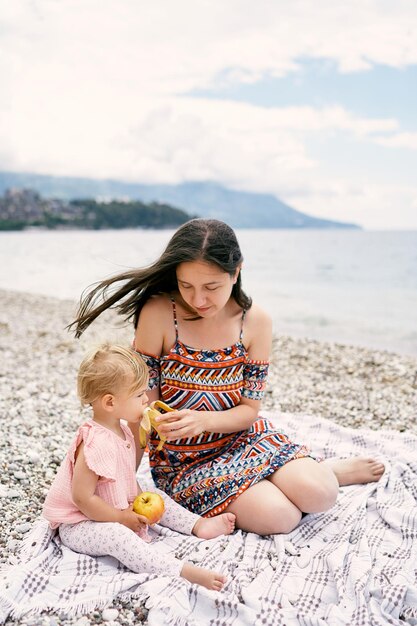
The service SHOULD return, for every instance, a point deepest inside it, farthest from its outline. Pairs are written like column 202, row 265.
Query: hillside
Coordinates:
column 240, row 209
column 23, row 208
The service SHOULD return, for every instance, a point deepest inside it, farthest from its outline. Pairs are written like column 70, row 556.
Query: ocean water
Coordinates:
column 355, row 287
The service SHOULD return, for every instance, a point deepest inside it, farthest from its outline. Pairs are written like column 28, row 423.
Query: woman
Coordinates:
column 207, row 350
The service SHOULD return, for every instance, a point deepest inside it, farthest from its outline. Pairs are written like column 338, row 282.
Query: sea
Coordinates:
column 354, row 287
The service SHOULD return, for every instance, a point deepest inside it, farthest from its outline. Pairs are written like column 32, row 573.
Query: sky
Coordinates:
column 314, row 101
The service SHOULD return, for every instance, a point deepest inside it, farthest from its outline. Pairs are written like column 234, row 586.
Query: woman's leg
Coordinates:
column 274, row 505
column 357, row 470
column 265, row 510
column 311, row 486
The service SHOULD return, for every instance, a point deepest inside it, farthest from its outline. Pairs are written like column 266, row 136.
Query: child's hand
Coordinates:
column 132, row 520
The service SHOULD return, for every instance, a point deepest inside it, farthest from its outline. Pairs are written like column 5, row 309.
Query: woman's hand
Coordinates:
column 132, row 520
column 182, row 424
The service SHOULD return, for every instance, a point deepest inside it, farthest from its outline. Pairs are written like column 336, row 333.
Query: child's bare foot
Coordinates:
column 210, row 527
column 356, row 470
column 201, row 576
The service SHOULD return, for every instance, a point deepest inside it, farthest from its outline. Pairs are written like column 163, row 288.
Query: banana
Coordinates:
column 148, row 422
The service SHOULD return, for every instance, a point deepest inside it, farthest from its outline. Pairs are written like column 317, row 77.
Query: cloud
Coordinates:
column 94, row 89
column 173, row 139
column 166, row 47
column 98, row 136
column 399, row 140
column 384, row 206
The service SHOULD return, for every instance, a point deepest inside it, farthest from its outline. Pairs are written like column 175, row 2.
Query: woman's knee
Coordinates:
column 319, row 493
column 269, row 518
column 282, row 523
column 311, row 486
column 285, row 519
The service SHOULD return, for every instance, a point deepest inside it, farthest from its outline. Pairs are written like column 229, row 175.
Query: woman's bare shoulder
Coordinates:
column 159, row 305
column 256, row 315
column 155, row 322
column 257, row 333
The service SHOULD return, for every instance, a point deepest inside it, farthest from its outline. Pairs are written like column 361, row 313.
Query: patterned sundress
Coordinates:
column 207, row 472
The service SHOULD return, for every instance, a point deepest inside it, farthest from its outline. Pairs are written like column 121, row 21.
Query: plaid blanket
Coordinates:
column 355, row 565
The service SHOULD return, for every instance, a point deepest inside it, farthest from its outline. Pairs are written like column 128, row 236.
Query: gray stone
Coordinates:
column 110, row 614
column 19, row 475
column 33, row 457
column 23, row 528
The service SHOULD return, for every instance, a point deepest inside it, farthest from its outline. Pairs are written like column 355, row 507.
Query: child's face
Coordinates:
column 130, row 405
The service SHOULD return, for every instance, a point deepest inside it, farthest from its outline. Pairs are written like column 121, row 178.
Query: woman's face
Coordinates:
column 204, row 286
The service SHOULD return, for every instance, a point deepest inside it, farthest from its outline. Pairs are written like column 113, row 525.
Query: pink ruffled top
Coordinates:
column 112, row 458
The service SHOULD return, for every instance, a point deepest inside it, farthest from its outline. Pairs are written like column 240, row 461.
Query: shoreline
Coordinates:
column 357, row 387
column 326, row 285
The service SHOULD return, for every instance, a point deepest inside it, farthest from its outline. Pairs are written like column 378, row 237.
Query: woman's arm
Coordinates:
column 84, row 484
column 188, row 423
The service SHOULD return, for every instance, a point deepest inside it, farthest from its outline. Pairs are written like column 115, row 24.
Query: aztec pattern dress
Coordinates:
column 207, row 472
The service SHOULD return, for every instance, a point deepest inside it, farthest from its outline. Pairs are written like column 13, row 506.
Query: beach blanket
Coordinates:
column 355, row 565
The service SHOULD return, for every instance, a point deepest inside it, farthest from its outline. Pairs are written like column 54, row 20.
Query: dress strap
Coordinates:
column 241, row 325
column 174, row 312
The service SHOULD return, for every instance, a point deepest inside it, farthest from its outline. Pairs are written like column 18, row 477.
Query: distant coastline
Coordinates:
column 26, row 208
column 238, row 208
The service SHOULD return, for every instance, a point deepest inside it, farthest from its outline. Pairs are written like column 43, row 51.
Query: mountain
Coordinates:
column 240, row 209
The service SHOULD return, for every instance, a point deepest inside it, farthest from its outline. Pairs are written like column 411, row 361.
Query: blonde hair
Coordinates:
column 110, row 368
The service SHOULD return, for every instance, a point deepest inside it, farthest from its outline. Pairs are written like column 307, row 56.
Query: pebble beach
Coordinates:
column 352, row 386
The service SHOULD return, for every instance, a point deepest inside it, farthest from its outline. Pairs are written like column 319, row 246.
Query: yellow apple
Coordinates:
column 149, row 504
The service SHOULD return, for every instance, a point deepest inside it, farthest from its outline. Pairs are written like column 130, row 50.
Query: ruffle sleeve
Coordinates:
column 255, row 375
column 154, row 367
column 99, row 451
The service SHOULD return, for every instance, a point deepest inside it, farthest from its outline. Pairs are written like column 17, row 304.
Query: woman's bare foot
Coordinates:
column 210, row 527
column 357, row 470
column 201, row 576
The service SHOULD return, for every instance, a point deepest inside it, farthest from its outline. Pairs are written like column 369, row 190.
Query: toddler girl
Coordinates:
column 90, row 500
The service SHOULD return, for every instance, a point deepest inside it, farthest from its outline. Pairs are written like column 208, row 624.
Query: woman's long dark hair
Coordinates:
column 199, row 239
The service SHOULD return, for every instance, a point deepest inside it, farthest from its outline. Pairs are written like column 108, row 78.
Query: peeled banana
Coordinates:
column 149, row 421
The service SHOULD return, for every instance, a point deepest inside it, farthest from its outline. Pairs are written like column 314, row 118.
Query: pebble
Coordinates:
column 19, row 475
column 110, row 614
column 33, row 457
column 13, row 493
column 40, row 411
column 13, row 544
column 23, row 528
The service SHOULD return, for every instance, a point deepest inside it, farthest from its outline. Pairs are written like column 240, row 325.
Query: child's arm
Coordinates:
column 95, row 508
column 139, row 450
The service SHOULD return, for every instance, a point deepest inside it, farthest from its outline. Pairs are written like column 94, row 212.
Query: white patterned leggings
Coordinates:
column 114, row 539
